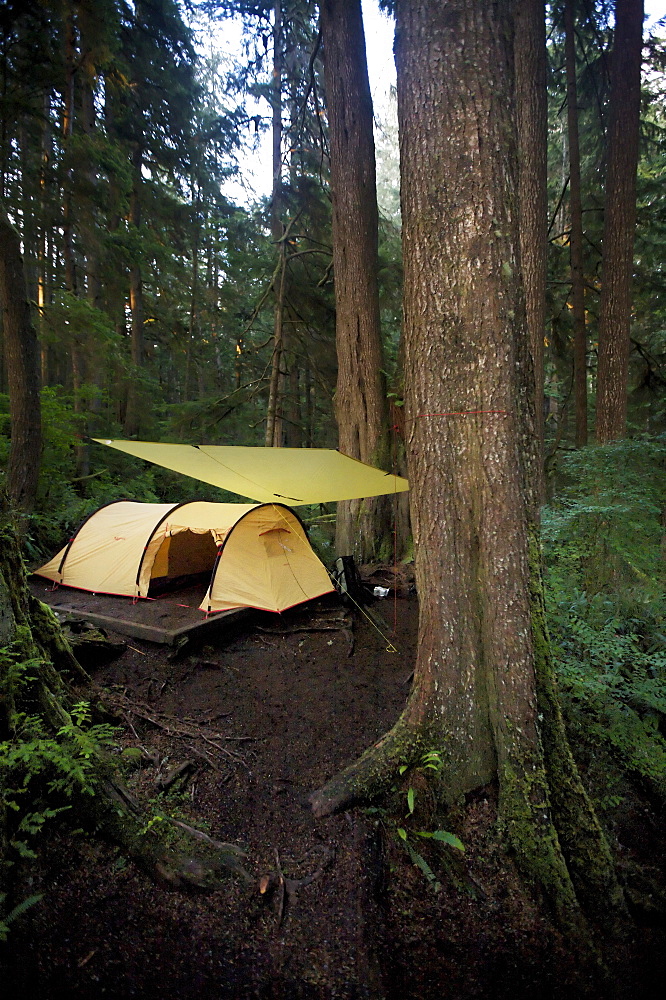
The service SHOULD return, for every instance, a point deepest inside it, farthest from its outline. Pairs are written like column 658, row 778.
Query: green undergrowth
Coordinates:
column 412, row 816
column 604, row 548
column 41, row 771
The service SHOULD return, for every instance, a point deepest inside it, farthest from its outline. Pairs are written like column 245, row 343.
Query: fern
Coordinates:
column 39, row 771
column 16, row 912
column 605, row 581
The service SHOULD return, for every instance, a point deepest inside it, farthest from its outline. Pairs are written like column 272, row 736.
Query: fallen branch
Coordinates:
column 302, row 628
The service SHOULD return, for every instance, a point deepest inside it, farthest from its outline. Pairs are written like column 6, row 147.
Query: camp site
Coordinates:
column 333, row 499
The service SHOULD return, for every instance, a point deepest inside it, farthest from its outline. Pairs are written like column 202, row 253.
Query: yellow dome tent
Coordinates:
column 258, row 555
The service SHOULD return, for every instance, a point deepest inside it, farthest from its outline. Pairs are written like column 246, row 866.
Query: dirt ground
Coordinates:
column 261, row 719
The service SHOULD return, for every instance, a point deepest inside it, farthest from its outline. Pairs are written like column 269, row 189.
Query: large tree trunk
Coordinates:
column 363, row 527
column 21, row 352
column 483, row 659
column 619, row 222
column 532, row 121
column 576, row 233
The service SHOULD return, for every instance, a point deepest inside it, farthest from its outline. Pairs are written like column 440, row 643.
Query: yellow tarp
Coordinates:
column 290, row 475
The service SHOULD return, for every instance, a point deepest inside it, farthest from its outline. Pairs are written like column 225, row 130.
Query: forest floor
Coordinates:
column 264, row 717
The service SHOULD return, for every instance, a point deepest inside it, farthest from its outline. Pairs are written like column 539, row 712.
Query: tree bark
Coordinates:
column 483, row 658
column 532, row 122
column 133, row 412
column 67, row 132
column 274, row 421
column 276, row 382
column 21, row 351
column 276, row 125
column 43, row 249
column 576, row 233
column 363, row 527
column 619, row 222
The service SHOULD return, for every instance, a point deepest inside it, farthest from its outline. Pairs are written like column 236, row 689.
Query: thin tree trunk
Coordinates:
column 67, row 132
column 132, row 415
column 276, row 128
column 29, row 202
column 88, row 125
column 363, row 527
column 294, row 435
column 576, row 235
column 619, row 222
column 42, row 252
column 21, row 352
column 92, row 369
column 273, row 419
column 193, row 324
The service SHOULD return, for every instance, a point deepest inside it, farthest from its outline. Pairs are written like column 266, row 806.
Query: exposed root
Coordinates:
column 582, row 840
column 115, row 814
column 286, row 888
column 373, row 772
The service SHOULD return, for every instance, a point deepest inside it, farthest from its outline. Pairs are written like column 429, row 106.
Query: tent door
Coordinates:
column 183, row 557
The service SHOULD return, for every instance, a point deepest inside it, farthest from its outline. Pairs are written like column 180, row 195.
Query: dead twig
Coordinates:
column 287, row 888
column 164, row 781
column 206, row 758
column 174, row 727
column 350, row 640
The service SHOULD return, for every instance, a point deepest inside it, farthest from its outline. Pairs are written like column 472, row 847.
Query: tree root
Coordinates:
column 584, row 846
column 286, row 888
column 115, row 814
column 373, row 773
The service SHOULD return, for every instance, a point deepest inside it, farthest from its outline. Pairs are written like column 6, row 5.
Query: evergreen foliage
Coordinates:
column 594, row 40
column 603, row 540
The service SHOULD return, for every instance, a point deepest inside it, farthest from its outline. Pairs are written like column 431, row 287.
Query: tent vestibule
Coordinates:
column 258, row 555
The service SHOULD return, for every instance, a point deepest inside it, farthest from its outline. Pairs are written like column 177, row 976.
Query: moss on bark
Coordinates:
column 584, row 845
column 375, row 771
column 526, row 819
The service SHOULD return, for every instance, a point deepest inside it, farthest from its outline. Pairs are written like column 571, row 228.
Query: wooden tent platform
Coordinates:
column 168, row 619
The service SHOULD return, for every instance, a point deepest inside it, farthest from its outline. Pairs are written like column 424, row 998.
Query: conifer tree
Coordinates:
column 362, row 527
column 484, row 694
column 619, row 221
